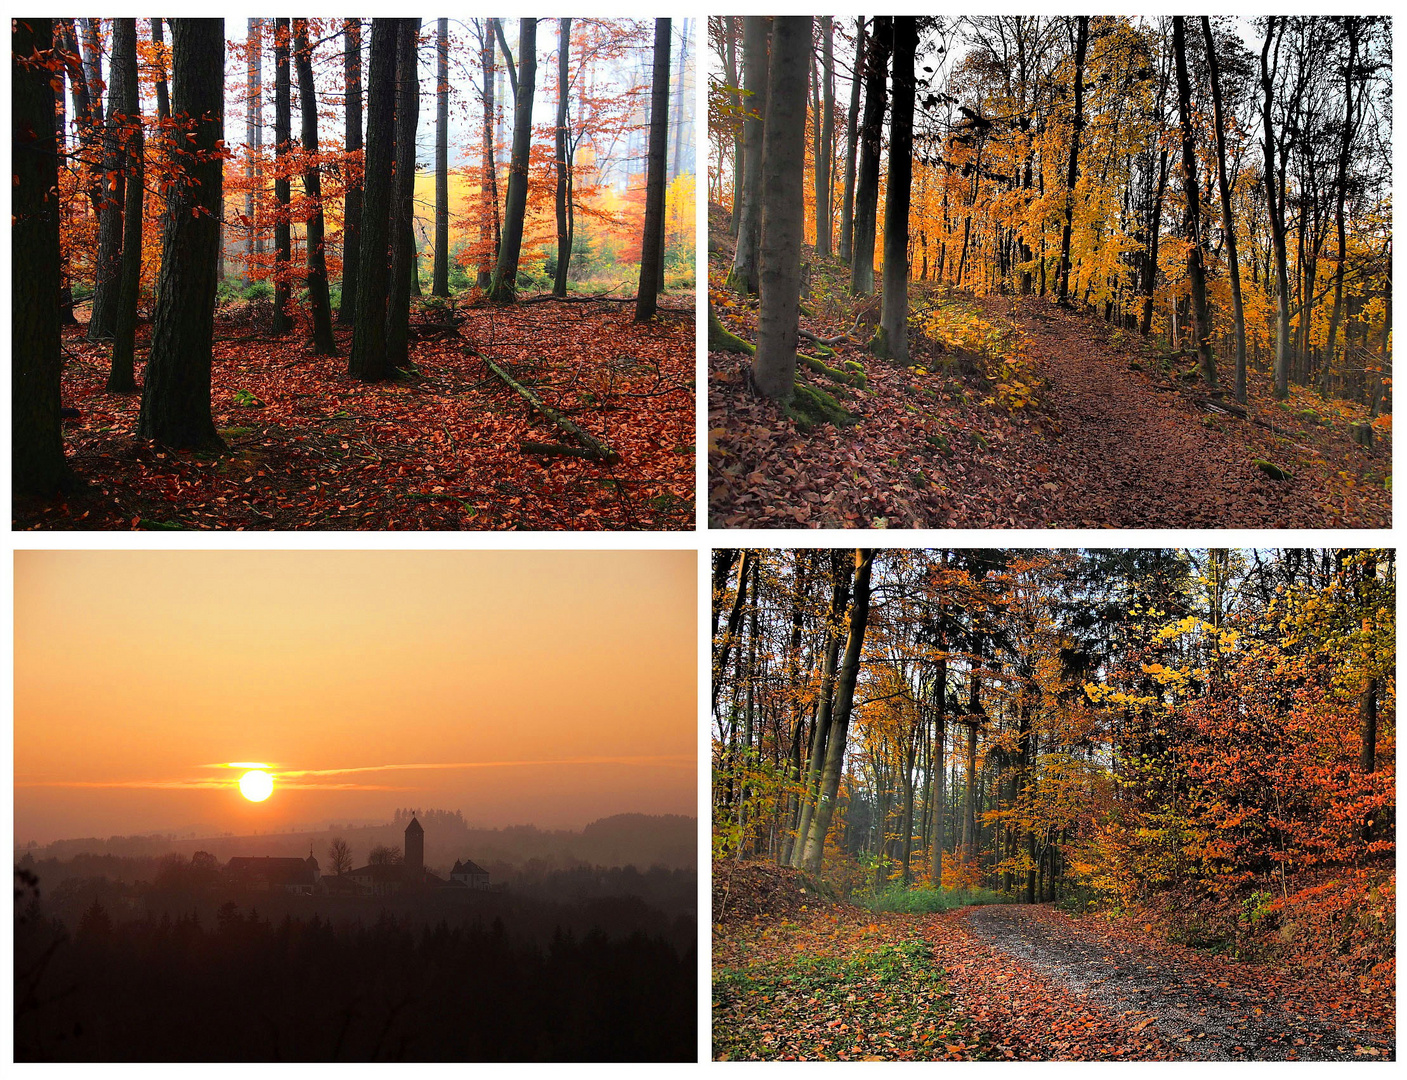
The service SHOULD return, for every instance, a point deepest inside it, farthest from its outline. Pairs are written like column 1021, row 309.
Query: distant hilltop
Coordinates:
column 640, row 840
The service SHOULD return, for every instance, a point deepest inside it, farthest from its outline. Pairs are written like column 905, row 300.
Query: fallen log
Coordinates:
column 1228, row 407
column 595, row 449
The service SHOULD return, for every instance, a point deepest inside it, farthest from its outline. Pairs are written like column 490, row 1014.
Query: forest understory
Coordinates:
column 440, row 447
column 799, row 976
column 1017, row 413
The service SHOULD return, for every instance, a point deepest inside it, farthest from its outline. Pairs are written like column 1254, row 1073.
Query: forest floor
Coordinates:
column 1020, row 414
column 1013, row 982
column 436, row 448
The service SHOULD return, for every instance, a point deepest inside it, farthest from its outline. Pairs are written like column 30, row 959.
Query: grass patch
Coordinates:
column 927, row 901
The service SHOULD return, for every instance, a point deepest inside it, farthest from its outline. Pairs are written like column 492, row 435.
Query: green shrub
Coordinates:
column 925, row 901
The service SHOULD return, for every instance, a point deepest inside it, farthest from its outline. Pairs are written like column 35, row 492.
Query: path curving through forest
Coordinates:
column 1176, row 1003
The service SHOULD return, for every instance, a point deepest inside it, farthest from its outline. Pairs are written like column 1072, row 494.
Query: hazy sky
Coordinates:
column 136, row 673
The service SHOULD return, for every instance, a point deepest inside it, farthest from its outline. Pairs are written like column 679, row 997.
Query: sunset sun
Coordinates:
column 256, row 785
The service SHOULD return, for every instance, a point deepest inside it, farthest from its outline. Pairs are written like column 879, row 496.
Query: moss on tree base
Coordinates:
column 720, row 339
column 854, row 377
column 809, row 407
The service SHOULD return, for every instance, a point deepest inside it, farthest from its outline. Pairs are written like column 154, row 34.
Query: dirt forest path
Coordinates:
column 1030, row 974
column 1124, row 453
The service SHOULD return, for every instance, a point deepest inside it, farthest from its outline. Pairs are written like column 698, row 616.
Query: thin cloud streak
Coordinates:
column 675, row 761
column 210, row 785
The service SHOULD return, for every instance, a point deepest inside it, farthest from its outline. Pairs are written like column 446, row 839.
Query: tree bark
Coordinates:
column 1228, row 221
column 102, row 324
column 1072, row 171
column 783, row 212
column 652, row 243
column 403, row 246
column 439, row 275
column 564, row 236
column 253, row 140
column 940, row 795
column 37, row 465
column 847, row 204
column 283, row 134
column 352, row 201
column 368, row 357
column 504, row 286
column 176, row 391
column 867, row 179
column 730, row 62
column 892, row 339
column 488, row 171
column 825, row 140
column 319, row 300
column 1276, row 213
column 163, row 95
column 859, row 617
column 743, row 277
column 1341, row 186
column 679, row 126
column 1196, row 267
column 121, row 378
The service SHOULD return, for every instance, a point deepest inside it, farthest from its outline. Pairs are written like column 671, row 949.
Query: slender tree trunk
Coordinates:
column 1155, row 228
column 253, row 140
column 564, row 240
column 1341, row 186
column 892, row 339
column 176, row 389
column 102, row 323
column 121, row 378
column 318, row 297
column 652, row 244
column 940, row 796
column 1072, row 172
column 488, row 170
column 367, row 361
column 352, row 201
column 504, row 286
column 867, row 179
column 825, row 141
column 1228, row 221
column 283, row 133
column 783, row 213
column 1196, row 268
column 730, row 60
column 860, row 591
column 847, row 202
column 439, row 276
column 743, row 277
column 679, row 126
column 37, row 465
column 403, row 246
column 820, row 731
column 1276, row 213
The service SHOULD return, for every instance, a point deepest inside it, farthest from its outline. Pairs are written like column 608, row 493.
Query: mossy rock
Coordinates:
column 1309, row 416
column 810, row 406
column 1271, row 470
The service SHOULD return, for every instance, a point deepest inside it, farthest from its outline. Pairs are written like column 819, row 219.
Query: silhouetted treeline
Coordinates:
column 245, row 987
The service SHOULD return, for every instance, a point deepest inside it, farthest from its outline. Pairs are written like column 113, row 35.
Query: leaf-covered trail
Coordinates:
column 1125, row 453
column 1014, row 964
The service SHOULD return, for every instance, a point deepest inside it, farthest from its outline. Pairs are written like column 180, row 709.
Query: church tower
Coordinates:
column 414, row 848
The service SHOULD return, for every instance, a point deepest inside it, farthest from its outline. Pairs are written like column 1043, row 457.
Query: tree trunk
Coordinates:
column 940, row 796
column 743, row 277
column 1196, row 268
column 730, row 62
column 864, row 557
column 892, row 339
column 102, row 324
column 283, row 133
column 37, row 465
column 820, row 731
column 1228, row 221
column 1276, row 213
column 1341, row 186
column 253, row 140
column 847, row 200
column 825, row 141
column 403, row 246
column 1072, row 171
column 163, row 96
column 679, row 126
column 176, row 391
column 652, row 244
column 121, row 379
column 504, row 286
column 439, row 276
column 783, row 210
column 488, row 171
column 564, row 239
column 867, row 180
column 318, row 298
column 352, row 201
column 368, row 357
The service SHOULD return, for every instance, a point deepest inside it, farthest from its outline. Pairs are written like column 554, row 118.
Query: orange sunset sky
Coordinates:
column 549, row 687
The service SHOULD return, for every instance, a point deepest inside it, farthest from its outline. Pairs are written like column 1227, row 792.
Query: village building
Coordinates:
column 270, row 874
column 410, row 874
column 469, row 874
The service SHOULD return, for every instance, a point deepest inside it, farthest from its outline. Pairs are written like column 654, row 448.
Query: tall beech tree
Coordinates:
column 403, row 249
column 283, row 136
column 1228, row 220
column 1191, row 187
column 756, row 30
column 176, row 389
column 1072, row 171
column 563, row 158
column 867, row 177
column 652, row 242
column 503, row 288
column 254, row 134
column 352, row 200
column 37, row 465
column 825, row 140
column 892, row 337
column 319, row 299
column 847, row 199
column 108, row 276
column 439, row 275
column 367, row 360
column 121, row 379
column 783, row 213
column 489, row 223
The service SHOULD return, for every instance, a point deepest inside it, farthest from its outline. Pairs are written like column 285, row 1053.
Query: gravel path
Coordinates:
column 1206, row 1008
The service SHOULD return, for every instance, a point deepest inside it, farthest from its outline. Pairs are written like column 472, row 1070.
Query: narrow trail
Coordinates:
column 1159, row 1001
column 1122, row 453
